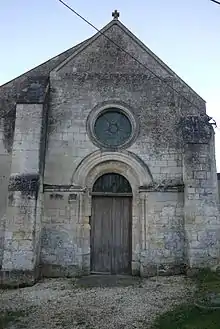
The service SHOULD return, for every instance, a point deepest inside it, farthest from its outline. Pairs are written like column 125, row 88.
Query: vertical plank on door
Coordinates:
column 100, row 234
column 111, row 234
column 121, row 235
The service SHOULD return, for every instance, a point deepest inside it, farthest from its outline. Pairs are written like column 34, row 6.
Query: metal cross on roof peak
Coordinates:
column 115, row 14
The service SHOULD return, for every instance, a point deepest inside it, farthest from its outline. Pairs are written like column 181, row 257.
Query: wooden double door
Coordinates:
column 111, row 226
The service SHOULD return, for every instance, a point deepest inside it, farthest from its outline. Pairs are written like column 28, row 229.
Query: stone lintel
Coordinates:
column 63, row 188
column 26, row 183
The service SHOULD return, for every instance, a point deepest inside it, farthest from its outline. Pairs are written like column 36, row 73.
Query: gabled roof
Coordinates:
column 178, row 83
column 29, row 86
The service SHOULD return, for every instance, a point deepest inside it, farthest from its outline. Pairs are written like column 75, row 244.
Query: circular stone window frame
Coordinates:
column 107, row 107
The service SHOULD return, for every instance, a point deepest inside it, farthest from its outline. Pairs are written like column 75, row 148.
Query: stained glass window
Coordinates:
column 112, row 128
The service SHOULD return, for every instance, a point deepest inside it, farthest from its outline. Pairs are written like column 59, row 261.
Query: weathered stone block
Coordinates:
column 200, row 174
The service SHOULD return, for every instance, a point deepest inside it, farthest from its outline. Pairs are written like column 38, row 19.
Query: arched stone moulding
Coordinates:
column 125, row 163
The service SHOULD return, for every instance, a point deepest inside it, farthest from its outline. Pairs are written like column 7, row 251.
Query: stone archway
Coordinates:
column 136, row 173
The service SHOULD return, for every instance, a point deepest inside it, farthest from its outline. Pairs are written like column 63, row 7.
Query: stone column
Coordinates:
column 144, row 221
column 86, row 207
column 202, row 224
column 23, row 215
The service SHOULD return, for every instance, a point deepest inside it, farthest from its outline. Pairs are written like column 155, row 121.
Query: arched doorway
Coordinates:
column 111, row 225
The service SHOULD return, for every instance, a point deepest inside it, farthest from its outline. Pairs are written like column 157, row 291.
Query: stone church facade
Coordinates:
column 105, row 167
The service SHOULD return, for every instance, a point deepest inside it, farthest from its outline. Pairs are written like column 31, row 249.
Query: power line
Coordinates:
column 216, row 2
column 125, row 51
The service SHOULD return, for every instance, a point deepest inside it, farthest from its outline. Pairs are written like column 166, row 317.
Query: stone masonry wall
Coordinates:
column 202, row 222
column 5, row 164
column 162, row 232
column 63, row 239
column 102, row 73
column 22, row 228
column 218, row 178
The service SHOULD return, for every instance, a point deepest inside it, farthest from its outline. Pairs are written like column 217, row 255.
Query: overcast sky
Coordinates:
column 184, row 34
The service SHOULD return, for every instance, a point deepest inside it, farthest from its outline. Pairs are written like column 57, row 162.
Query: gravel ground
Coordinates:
column 65, row 303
